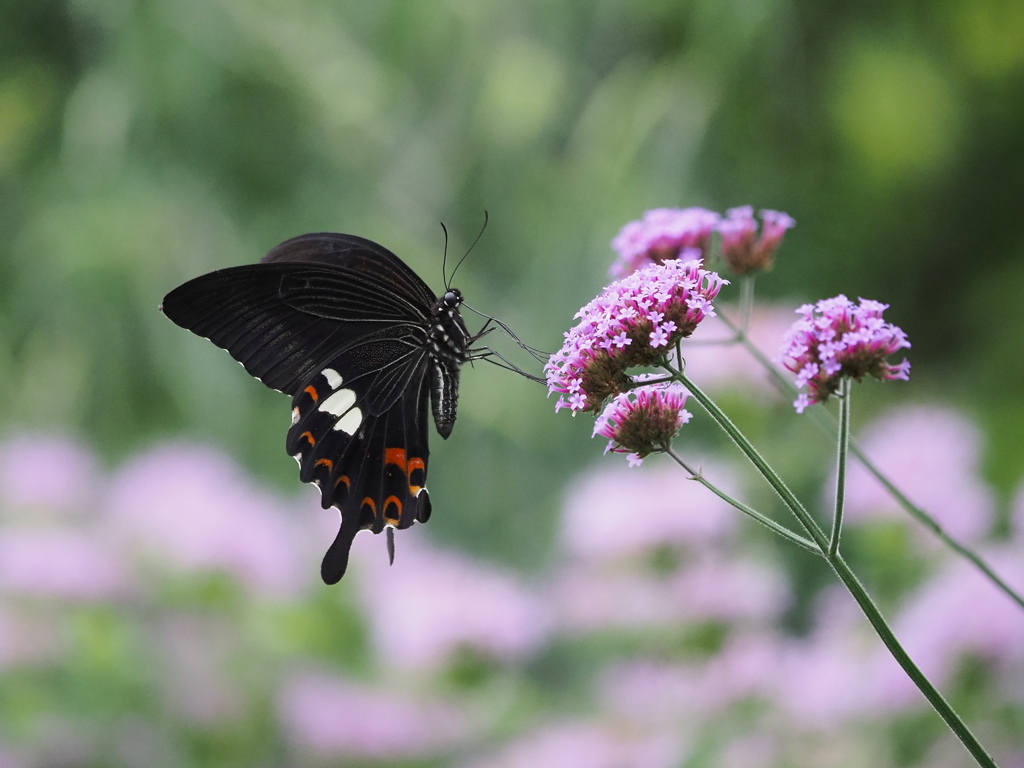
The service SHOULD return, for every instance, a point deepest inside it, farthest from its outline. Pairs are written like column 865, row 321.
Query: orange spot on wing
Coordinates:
column 344, row 479
column 416, row 465
column 389, row 502
column 313, row 393
column 324, row 463
column 395, row 456
column 368, row 502
column 309, row 436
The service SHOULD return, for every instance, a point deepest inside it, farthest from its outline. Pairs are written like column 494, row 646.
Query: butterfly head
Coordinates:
column 452, row 299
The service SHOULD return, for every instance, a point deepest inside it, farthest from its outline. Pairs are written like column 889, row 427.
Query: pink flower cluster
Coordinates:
column 661, row 235
column 633, row 323
column 643, row 420
column 665, row 234
column 837, row 338
column 742, row 250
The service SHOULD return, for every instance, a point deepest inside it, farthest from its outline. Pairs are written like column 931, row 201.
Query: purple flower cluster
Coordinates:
column 665, row 234
column 661, row 235
column 742, row 250
column 635, row 322
column 643, row 420
column 837, row 338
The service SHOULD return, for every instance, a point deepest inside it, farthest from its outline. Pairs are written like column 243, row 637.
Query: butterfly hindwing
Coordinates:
column 372, row 467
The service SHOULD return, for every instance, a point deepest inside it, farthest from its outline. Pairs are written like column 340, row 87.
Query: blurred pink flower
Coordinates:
column 195, row 653
column 12, row 758
column 933, row 454
column 441, row 601
column 750, row 749
column 193, row 509
column 589, row 596
column 332, row 718
column 956, row 613
column 692, row 695
column 732, row 589
column 823, row 680
column 45, row 473
column 820, row 682
column 742, row 250
column 655, row 693
column 614, row 512
column 588, row 745
column 60, row 563
column 747, row 666
column 663, row 233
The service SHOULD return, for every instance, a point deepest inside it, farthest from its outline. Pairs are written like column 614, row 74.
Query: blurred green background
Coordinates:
column 145, row 142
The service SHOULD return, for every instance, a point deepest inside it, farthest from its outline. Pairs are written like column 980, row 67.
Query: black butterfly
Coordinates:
column 361, row 344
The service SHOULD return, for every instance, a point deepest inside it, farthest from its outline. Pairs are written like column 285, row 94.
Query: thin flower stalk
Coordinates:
column 750, row 512
column 845, row 574
column 845, row 395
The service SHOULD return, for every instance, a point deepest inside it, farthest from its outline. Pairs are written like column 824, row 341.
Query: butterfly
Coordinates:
column 363, row 347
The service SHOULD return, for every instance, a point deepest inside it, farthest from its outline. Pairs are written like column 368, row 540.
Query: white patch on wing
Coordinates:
column 350, row 422
column 339, row 402
column 343, row 405
column 295, row 416
column 334, row 379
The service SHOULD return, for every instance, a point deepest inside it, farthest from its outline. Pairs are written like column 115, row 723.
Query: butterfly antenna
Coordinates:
column 444, row 259
column 481, row 234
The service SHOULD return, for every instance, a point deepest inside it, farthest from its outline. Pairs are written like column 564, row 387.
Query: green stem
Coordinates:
column 749, row 511
column 776, row 482
column 845, row 395
column 874, row 615
column 845, row 574
column 824, row 420
column 746, row 305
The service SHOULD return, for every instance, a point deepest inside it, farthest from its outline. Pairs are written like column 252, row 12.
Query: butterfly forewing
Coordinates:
column 363, row 257
column 361, row 344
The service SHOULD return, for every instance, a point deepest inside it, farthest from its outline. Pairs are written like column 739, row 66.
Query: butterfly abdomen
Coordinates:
column 449, row 347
